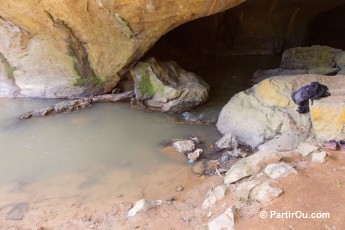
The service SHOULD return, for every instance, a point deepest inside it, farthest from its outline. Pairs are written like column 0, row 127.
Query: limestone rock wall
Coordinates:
column 67, row 48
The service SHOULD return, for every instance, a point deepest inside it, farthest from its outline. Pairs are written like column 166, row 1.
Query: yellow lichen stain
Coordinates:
column 271, row 94
column 328, row 119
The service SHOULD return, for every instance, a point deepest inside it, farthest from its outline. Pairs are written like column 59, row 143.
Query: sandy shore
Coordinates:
column 317, row 188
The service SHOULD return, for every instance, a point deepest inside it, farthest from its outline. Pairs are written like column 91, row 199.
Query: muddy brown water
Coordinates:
column 108, row 151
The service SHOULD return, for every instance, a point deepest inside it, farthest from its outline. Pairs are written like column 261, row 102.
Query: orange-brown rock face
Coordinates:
column 66, row 48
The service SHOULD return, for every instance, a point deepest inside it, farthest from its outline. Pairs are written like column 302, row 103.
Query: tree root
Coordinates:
column 78, row 104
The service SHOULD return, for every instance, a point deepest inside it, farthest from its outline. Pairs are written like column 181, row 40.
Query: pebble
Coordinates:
column 195, row 140
column 319, row 157
column 243, row 190
column 265, row 192
column 276, row 171
column 225, row 157
column 226, row 142
column 179, row 188
column 195, row 155
column 141, row 206
column 306, row 148
column 226, row 221
column 214, row 195
column 185, row 146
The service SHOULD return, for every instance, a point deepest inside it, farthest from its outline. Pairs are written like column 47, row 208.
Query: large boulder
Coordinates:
column 310, row 58
column 167, row 87
column 267, row 111
column 72, row 48
column 322, row 60
column 261, row 74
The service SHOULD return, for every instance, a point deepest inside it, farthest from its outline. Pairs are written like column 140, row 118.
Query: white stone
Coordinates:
column 306, row 148
column 214, row 195
column 195, row 140
column 141, row 206
column 226, row 221
column 209, row 201
column 195, row 155
column 276, row 171
column 226, row 142
column 220, row 191
column 286, row 141
column 250, row 165
column 185, row 146
column 319, row 157
column 243, row 190
column 265, row 193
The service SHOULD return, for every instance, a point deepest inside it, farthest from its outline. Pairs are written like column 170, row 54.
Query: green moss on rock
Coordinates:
column 146, row 87
column 94, row 81
column 10, row 71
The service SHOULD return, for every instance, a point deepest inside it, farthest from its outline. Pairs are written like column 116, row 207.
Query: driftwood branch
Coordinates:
column 78, row 104
column 113, row 97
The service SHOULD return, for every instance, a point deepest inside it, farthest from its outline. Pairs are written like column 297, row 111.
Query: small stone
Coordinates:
column 214, row 195
column 319, row 157
column 265, row 192
column 141, row 206
column 243, row 190
column 220, row 191
column 195, row 155
column 185, row 146
column 226, row 142
column 225, row 157
column 238, row 153
column 195, row 140
column 250, row 165
column 276, row 171
column 186, row 220
column 157, row 202
column 226, row 221
column 18, row 211
column 179, row 188
column 169, row 201
column 306, row 148
column 210, row 200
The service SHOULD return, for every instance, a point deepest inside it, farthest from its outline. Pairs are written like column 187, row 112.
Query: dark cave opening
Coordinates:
column 201, row 46
column 227, row 48
column 328, row 28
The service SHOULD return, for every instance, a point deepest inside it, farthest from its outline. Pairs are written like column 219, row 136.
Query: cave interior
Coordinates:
column 237, row 42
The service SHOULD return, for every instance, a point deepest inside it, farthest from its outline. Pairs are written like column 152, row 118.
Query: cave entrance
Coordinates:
column 204, row 46
column 328, row 28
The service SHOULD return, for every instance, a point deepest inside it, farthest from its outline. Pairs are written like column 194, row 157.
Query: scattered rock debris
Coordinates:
column 226, row 221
